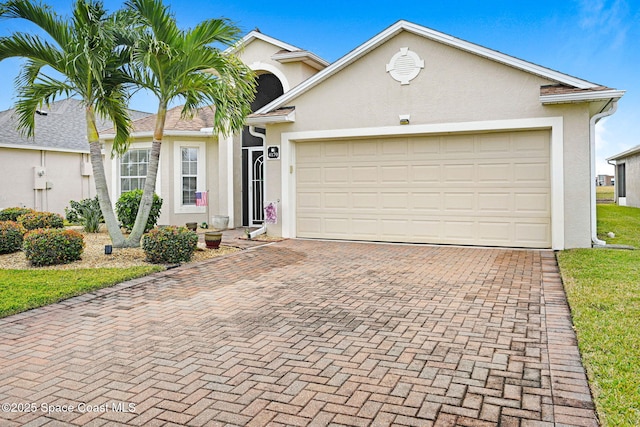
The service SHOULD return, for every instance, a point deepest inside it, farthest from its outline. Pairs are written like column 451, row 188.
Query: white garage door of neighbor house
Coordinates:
column 490, row 189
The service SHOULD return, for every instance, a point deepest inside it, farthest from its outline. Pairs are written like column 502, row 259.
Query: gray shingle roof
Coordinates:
column 62, row 128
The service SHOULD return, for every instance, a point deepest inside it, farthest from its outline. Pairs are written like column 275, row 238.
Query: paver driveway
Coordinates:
column 307, row 333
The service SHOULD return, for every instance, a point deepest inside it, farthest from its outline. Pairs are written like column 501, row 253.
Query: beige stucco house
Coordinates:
column 47, row 171
column 627, row 177
column 414, row 136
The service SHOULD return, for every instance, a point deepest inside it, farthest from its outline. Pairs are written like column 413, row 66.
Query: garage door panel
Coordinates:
column 364, row 174
column 336, row 199
column 336, row 227
column 495, row 202
column 394, row 174
column 363, row 200
column 486, row 189
column 458, row 173
column 494, row 173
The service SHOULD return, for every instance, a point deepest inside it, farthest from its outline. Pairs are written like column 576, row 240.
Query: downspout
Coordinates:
column 253, row 132
column 592, row 143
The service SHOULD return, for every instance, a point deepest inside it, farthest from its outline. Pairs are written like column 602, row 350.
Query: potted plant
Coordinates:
column 212, row 239
column 193, row 226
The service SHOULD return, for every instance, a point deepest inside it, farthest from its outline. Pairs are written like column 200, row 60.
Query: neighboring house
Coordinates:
column 414, row 136
column 604, row 180
column 49, row 170
column 627, row 178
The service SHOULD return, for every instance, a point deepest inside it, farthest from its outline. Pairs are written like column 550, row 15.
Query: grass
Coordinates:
column 21, row 290
column 623, row 221
column 603, row 289
column 604, row 193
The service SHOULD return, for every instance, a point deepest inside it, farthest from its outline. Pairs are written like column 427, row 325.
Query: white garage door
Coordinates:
column 473, row 189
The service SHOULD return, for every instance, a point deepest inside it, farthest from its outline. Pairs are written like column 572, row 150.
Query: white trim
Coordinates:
column 149, row 134
column 600, row 95
column 178, row 208
column 263, row 120
column 229, row 179
column 309, row 58
column 248, row 38
column 115, row 171
column 42, row 148
column 433, row 35
column 289, row 139
column 624, row 154
column 261, row 66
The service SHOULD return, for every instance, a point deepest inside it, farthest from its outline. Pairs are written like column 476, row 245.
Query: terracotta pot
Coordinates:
column 212, row 239
column 193, row 226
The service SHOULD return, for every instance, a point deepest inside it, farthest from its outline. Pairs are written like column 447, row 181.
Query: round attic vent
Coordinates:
column 405, row 66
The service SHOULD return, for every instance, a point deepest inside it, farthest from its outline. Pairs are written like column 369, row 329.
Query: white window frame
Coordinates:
column 115, row 170
column 178, row 207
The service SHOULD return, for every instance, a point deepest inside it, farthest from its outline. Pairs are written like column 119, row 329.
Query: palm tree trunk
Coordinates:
column 100, row 179
column 150, row 181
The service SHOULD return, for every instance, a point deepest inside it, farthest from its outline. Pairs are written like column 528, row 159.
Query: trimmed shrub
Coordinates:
column 12, row 214
column 53, row 246
column 86, row 212
column 169, row 245
column 127, row 209
column 11, row 234
column 33, row 220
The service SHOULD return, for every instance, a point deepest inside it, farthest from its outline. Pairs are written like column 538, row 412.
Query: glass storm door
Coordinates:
column 256, row 186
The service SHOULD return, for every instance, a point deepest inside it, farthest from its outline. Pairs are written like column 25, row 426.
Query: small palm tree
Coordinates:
column 82, row 57
column 175, row 64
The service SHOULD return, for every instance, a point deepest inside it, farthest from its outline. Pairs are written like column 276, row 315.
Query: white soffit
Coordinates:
column 600, row 95
column 433, row 35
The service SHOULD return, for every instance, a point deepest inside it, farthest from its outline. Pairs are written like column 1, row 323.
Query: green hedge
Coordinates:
column 12, row 214
column 53, row 246
column 11, row 236
column 127, row 209
column 169, row 245
column 34, row 220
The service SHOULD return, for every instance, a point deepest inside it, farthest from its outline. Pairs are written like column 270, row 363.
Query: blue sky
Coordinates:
column 596, row 40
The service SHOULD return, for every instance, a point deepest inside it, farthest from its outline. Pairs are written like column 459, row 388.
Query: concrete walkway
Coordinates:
column 307, row 333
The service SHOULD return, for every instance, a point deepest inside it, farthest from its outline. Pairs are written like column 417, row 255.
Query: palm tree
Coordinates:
column 175, row 64
column 86, row 55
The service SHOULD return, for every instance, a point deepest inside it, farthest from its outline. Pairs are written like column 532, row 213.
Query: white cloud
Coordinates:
column 605, row 18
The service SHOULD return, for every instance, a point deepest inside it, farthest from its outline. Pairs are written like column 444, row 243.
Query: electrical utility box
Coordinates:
column 39, row 178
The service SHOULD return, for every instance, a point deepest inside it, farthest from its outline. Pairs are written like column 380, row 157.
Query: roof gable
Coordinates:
column 448, row 40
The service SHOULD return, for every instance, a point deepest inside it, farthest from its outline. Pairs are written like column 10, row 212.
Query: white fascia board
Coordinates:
column 258, row 35
column 582, row 97
column 289, row 118
column 149, row 134
column 305, row 56
column 627, row 153
column 42, row 148
column 433, row 35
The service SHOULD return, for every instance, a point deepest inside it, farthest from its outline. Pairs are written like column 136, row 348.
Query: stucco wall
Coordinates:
column 257, row 55
column 63, row 170
column 165, row 187
column 455, row 86
column 632, row 180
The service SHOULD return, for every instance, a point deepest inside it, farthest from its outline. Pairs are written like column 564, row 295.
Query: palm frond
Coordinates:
column 41, row 15
column 33, row 97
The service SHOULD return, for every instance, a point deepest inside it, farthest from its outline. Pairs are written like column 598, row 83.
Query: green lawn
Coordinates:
column 603, row 288
column 22, row 290
column 605, row 192
column 623, row 221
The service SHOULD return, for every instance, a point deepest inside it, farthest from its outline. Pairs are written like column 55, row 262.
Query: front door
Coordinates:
column 255, row 180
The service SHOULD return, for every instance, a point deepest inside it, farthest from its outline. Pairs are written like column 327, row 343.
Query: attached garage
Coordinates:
column 490, row 189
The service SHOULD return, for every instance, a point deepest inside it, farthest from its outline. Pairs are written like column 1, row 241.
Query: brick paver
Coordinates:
column 307, row 333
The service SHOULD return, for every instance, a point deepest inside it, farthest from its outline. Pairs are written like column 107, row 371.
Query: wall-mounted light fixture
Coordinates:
column 404, row 119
